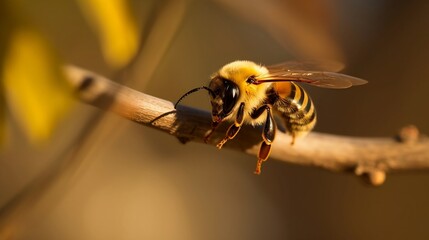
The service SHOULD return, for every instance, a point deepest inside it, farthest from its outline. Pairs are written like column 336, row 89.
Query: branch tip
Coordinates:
column 408, row 134
column 371, row 175
column 377, row 177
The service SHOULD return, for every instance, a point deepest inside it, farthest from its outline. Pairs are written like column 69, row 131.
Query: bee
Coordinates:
column 243, row 92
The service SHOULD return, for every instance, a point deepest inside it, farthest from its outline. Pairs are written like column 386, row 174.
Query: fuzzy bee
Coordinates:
column 243, row 92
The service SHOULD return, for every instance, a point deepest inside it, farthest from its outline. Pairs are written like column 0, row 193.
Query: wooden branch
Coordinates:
column 368, row 157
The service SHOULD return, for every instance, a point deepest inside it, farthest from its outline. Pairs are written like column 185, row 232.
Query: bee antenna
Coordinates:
column 192, row 91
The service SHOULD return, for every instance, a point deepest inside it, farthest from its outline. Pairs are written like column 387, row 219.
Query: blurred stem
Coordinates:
column 371, row 158
column 159, row 34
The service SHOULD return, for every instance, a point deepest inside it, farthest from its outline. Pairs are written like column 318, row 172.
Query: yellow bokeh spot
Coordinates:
column 116, row 28
column 35, row 89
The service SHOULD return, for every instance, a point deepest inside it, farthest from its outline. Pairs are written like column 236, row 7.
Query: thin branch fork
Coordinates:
column 371, row 158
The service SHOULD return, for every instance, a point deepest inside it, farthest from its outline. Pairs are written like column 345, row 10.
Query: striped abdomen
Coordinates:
column 295, row 106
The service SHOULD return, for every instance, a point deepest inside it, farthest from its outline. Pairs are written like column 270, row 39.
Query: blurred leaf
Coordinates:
column 116, row 27
column 36, row 92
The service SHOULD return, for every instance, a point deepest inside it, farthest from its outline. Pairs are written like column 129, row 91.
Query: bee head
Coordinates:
column 223, row 97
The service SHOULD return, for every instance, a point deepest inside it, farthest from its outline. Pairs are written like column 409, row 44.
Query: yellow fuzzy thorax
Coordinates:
column 252, row 95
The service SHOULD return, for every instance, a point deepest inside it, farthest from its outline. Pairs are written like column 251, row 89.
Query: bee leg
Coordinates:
column 230, row 134
column 264, row 152
column 234, row 128
column 268, row 135
column 207, row 137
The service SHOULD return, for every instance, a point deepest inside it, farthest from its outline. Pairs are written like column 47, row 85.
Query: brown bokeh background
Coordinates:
column 132, row 182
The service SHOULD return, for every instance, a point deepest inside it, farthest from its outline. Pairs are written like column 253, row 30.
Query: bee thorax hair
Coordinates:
column 251, row 94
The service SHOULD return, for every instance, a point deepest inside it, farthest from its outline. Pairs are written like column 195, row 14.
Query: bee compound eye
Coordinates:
column 231, row 94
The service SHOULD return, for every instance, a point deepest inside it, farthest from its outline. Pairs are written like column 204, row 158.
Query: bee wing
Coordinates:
column 329, row 66
column 315, row 78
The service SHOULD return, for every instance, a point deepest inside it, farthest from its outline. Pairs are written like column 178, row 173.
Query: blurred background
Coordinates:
column 70, row 171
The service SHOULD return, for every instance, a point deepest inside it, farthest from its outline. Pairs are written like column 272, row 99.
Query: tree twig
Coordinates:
column 371, row 158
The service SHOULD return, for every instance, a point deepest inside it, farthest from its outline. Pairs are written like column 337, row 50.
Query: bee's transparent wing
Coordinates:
column 315, row 78
column 328, row 66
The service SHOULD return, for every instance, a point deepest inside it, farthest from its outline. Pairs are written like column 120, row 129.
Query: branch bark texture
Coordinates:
column 369, row 157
